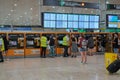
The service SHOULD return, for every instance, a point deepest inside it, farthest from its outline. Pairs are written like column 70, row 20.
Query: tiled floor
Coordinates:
column 58, row 68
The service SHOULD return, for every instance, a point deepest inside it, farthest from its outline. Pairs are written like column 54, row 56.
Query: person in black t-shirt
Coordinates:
column 52, row 46
column 74, row 47
column 115, row 43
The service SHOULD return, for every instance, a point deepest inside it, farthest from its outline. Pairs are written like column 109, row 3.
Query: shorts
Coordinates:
column 116, row 50
column 83, row 49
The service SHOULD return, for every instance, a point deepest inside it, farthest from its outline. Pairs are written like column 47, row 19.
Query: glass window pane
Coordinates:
column 47, row 16
column 64, row 17
column 75, row 17
column 86, row 24
column 49, row 24
column 70, row 17
column 83, row 17
column 70, row 24
column 46, row 24
column 59, row 16
column 64, row 24
column 92, row 18
column 75, row 24
column 96, row 25
column 61, row 24
column 81, row 24
column 92, row 25
column 52, row 16
column 96, row 18
column 86, row 18
column 52, row 24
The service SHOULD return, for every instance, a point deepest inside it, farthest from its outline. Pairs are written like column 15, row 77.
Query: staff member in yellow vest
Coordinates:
column 43, row 45
column 66, row 45
column 1, row 49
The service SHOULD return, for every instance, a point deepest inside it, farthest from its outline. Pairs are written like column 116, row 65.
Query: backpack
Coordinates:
column 84, row 44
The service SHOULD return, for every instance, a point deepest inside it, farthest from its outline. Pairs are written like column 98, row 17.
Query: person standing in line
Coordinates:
column 115, row 43
column 43, row 45
column 90, row 45
column 74, row 46
column 1, row 49
column 119, row 45
column 65, row 43
column 5, row 46
column 52, row 46
column 83, row 48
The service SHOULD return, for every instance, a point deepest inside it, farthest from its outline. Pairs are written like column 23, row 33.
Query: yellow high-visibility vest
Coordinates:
column 65, row 41
column 2, row 48
column 43, row 41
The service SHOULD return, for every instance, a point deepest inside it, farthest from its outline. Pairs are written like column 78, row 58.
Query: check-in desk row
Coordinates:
column 28, row 44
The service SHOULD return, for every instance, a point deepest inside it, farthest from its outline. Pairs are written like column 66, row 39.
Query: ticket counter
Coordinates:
column 16, row 44
column 32, row 44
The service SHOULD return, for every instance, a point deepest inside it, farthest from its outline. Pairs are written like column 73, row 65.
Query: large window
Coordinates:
column 66, row 20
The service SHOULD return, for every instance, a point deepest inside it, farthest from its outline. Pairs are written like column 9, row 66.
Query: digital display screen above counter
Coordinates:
column 67, row 20
column 113, row 21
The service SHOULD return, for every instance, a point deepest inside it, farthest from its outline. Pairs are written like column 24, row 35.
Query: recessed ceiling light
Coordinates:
column 91, row 11
column 25, row 13
column 11, row 10
column 36, row 15
column 53, row 7
column 107, row 2
column 15, row 4
column 9, row 14
column 31, row 8
column 83, row 4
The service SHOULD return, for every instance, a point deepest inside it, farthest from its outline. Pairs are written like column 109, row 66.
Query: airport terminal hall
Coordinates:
column 59, row 39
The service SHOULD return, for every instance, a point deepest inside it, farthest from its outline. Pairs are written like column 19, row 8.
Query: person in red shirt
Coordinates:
column 82, row 42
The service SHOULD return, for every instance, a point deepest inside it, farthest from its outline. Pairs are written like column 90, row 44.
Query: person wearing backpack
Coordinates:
column 83, row 48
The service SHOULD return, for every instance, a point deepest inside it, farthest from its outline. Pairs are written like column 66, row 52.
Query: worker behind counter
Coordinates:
column 1, row 49
column 66, row 45
column 43, row 45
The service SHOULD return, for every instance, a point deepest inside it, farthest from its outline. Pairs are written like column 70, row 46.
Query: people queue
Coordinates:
column 77, row 45
column 81, row 45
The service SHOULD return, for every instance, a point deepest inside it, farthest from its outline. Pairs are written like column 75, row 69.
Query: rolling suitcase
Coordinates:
column 114, row 66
